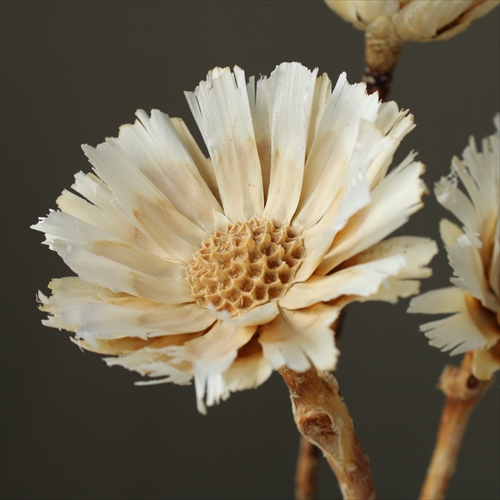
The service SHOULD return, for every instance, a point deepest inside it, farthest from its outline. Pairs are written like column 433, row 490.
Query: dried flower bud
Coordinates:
column 412, row 20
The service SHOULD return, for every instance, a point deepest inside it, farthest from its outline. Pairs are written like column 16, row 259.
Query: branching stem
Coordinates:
column 322, row 417
column 463, row 391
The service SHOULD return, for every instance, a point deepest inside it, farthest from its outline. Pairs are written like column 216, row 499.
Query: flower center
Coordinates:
column 250, row 263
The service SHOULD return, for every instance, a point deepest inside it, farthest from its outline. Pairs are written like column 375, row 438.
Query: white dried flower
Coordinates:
column 222, row 269
column 412, row 20
column 474, row 254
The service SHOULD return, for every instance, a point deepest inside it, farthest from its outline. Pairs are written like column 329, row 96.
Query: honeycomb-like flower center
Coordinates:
column 249, row 264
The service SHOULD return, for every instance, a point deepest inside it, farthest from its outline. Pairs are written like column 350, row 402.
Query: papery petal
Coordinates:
column 211, row 355
column 418, row 252
column 393, row 201
column 364, row 280
column 290, row 93
column 332, row 148
column 145, row 204
column 221, row 109
column 249, row 370
column 298, row 339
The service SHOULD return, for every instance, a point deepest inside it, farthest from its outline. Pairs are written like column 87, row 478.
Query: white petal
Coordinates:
column 418, row 252
column 322, row 92
column 203, row 164
column 257, row 316
column 298, row 339
column 211, row 355
column 457, row 333
column 154, row 361
column 221, row 109
column 441, row 301
column 393, row 201
column 154, row 147
column 470, row 274
column 318, row 239
column 364, row 280
column 64, row 230
column 120, row 278
column 144, row 203
column 249, row 370
column 290, row 92
column 333, row 147
column 259, row 108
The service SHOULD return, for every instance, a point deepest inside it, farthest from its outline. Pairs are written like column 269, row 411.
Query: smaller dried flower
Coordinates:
column 474, row 255
column 412, row 20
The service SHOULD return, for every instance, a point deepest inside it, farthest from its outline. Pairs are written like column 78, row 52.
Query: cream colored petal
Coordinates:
column 102, row 213
column 290, row 93
column 322, row 92
column 441, row 301
column 393, row 201
column 63, row 229
column 472, row 328
column 364, row 280
column 119, row 278
column 486, row 362
column 395, row 125
column 469, row 273
column 423, row 19
column 494, row 268
column 453, row 199
column 256, row 316
column 203, row 164
column 418, row 252
column 211, row 355
column 113, row 347
column 101, row 320
column 332, row 148
column 318, row 239
column 457, row 334
column 249, row 370
column 221, row 109
column 298, row 339
column 449, row 232
column 259, row 108
column 154, row 148
column 144, row 203
column 154, row 361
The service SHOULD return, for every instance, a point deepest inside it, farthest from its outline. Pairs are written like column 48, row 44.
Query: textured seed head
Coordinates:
column 250, row 263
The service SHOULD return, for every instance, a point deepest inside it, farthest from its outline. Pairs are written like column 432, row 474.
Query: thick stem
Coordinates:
column 322, row 417
column 381, row 57
column 307, row 470
column 463, row 391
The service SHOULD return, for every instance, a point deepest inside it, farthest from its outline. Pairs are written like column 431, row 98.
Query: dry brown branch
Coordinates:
column 306, row 473
column 463, row 391
column 381, row 57
column 322, row 417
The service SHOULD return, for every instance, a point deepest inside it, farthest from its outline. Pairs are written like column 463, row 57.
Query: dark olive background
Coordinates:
column 72, row 428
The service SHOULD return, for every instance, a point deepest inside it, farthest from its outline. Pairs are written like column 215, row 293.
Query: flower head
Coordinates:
column 412, row 20
column 223, row 269
column 474, row 254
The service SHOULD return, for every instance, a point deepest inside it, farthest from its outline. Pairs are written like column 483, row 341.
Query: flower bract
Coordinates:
column 474, row 254
column 224, row 268
column 412, row 20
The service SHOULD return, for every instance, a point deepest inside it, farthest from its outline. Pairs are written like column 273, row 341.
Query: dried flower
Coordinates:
column 474, row 255
column 412, row 20
column 222, row 269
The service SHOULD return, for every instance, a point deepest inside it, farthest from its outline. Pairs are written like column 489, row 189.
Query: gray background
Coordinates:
column 73, row 428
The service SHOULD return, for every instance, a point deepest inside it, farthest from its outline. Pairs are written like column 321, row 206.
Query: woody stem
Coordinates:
column 381, row 57
column 322, row 417
column 463, row 391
